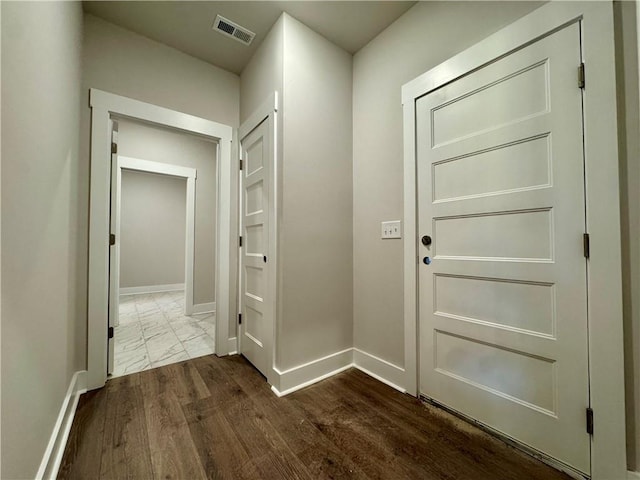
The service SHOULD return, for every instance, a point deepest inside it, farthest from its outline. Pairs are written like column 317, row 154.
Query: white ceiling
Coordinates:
column 186, row 25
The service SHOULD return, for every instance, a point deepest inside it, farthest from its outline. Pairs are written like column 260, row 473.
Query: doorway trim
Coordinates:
column 190, row 174
column 104, row 105
column 606, row 364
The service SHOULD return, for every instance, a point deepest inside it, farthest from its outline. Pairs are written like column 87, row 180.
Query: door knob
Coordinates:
column 426, row 240
column 426, row 260
column 264, row 258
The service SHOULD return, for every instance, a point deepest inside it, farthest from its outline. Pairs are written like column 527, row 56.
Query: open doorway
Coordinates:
column 162, row 287
column 106, row 107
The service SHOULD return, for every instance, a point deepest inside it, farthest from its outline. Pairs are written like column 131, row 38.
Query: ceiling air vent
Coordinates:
column 233, row 30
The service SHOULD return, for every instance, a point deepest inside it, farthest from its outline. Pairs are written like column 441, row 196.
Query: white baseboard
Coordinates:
column 233, row 346
column 294, row 379
column 172, row 287
column 379, row 369
column 204, row 308
column 55, row 449
column 633, row 475
column 302, row 376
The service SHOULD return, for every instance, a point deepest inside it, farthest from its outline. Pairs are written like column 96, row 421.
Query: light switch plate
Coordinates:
column 391, row 229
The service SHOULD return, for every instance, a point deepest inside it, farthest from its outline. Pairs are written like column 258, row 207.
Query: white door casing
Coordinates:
column 606, row 380
column 104, row 106
column 119, row 163
column 190, row 175
column 503, row 304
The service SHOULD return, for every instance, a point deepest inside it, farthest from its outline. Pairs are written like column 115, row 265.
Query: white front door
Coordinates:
column 255, row 204
column 502, row 285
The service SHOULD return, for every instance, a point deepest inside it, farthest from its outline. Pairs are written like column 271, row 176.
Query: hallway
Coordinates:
column 217, row 418
column 407, row 214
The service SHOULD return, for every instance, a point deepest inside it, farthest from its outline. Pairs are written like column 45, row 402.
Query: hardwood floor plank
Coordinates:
column 292, row 424
column 173, row 453
column 127, row 381
column 81, row 458
column 181, row 379
column 441, row 454
column 368, row 446
column 125, row 446
column 192, row 384
column 320, row 456
column 326, row 461
column 221, row 453
column 461, row 448
column 261, row 439
column 223, row 391
column 217, row 418
column 281, row 465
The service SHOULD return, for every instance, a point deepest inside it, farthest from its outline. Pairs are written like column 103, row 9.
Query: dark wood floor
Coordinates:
column 217, row 418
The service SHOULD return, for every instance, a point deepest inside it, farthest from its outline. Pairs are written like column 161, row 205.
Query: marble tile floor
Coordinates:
column 154, row 331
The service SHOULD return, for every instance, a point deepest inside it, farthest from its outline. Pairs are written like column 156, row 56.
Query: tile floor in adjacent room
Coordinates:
column 154, row 331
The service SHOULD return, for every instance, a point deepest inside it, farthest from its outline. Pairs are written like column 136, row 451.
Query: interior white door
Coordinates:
column 255, row 204
column 114, row 242
column 502, row 286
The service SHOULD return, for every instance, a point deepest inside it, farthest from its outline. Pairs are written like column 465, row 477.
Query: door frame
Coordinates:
column 190, row 175
column 606, row 363
column 267, row 111
column 104, row 105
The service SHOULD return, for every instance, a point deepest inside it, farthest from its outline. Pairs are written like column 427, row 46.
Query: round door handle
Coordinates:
column 426, row 240
column 264, row 258
column 426, row 260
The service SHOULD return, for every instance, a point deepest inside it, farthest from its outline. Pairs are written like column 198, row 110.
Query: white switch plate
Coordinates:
column 392, row 229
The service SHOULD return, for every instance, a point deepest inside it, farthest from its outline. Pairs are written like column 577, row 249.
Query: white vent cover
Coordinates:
column 233, row 30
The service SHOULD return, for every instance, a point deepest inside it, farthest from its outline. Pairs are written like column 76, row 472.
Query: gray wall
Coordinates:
column 629, row 148
column 316, row 218
column 41, row 328
column 121, row 62
column 147, row 142
column 313, row 77
column 426, row 35
column 263, row 74
column 152, row 229
column 260, row 78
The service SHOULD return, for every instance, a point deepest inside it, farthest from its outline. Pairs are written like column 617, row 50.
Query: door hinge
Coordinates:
column 585, row 245
column 112, row 239
column 240, row 164
column 581, row 79
column 114, row 147
column 589, row 420
column 240, row 243
column 239, row 319
column 110, row 332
